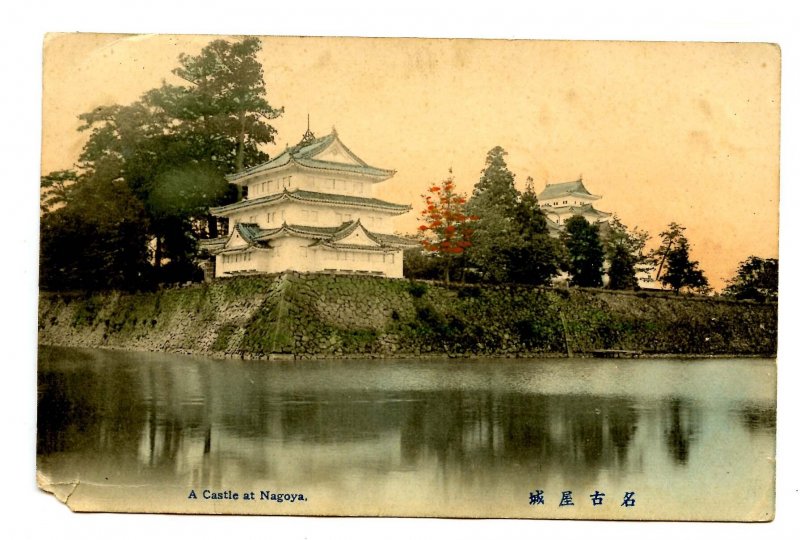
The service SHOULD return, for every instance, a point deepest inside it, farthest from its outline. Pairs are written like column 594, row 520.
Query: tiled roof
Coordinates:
column 325, row 236
column 589, row 210
column 315, row 196
column 360, row 247
column 581, row 210
column 552, row 191
column 304, row 156
column 248, row 231
column 211, row 244
column 394, row 240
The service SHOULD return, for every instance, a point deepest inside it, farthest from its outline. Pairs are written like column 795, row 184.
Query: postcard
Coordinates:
column 409, row 277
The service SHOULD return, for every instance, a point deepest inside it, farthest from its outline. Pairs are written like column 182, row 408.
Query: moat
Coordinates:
column 460, row 437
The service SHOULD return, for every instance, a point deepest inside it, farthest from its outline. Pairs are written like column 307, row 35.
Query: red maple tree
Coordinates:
column 446, row 230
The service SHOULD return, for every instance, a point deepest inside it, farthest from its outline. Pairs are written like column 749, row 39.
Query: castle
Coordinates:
column 310, row 209
column 563, row 200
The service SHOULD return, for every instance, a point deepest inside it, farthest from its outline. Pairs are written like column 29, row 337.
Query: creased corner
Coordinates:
column 61, row 490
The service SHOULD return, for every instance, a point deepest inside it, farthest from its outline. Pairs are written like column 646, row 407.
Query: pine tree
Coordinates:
column 585, row 252
column 675, row 268
column 171, row 149
column 494, row 200
column 536, row 257
column 682, row 272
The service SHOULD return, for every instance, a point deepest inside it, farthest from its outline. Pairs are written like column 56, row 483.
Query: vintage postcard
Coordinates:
column 409, row 277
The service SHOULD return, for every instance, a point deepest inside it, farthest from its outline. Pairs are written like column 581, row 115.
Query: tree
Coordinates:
column 447, row 230
column 228, row 97
column 57, row 187
column 97, row 241
column 755, row 279
column 536, row 257
column 494, row 199
column 495, row 188
column 173, row 147
column 511, row 241
column 625, row 254
column 421, row 264
column 585, row 252
column 669, row 238
column 681, row 272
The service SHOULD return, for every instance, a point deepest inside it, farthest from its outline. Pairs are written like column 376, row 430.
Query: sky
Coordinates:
column 685, row 132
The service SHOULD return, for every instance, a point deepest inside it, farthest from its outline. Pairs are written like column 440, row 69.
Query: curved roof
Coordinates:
column 304, row 196
column 329, row 237
column 305, row 155
column 553, row 191
column 578, row 210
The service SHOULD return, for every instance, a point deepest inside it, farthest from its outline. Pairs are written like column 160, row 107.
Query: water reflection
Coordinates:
column 757, row 417
column 682, row 424
column 196, row 421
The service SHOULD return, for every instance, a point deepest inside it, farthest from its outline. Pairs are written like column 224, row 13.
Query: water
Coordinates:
column 692, row 439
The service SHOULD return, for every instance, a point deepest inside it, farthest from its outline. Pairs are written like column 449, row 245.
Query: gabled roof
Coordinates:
column 305, row 155
column 313, row 197
column 248, row 231
column 553, row 191
column 328, row 237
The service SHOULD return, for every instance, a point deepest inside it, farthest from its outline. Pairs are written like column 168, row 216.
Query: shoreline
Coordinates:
column 287, row 357
column 301, row 316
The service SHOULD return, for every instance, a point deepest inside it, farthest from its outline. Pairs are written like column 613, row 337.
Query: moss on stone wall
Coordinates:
column 322, row 314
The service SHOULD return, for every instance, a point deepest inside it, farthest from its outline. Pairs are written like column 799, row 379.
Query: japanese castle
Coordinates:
column 310, row 209
column 563, row 200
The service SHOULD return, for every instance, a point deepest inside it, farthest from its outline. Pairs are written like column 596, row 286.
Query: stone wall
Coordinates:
column 329, row 315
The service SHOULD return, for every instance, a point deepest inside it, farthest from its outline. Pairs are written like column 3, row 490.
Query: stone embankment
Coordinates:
column 302, row 315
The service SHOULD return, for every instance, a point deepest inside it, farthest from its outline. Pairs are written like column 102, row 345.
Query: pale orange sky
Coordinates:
column 684, row 132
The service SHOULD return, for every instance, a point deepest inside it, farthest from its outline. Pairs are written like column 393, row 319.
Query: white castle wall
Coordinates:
column 314, row 215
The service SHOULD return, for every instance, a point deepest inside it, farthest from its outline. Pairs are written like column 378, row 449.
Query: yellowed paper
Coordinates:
column 662, row 132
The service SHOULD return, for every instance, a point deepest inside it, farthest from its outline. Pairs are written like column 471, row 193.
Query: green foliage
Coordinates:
column 87, row 311
column 416, row 289
column 229, row 96
column 669, row 238
column 97, row 241
column 755, row 279
column 681, row 272
column 511, row 241
column 496, row 185
column 223, row 336
column 622, row 270
column 625, row 253
column 537, row 257
column 419, row 264
column 493, row 201
column 56, row 188
column 171, row 149
column 585, row 252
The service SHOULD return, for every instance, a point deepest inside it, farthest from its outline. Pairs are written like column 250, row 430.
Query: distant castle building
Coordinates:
column 310, row 209
column 563, row 200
